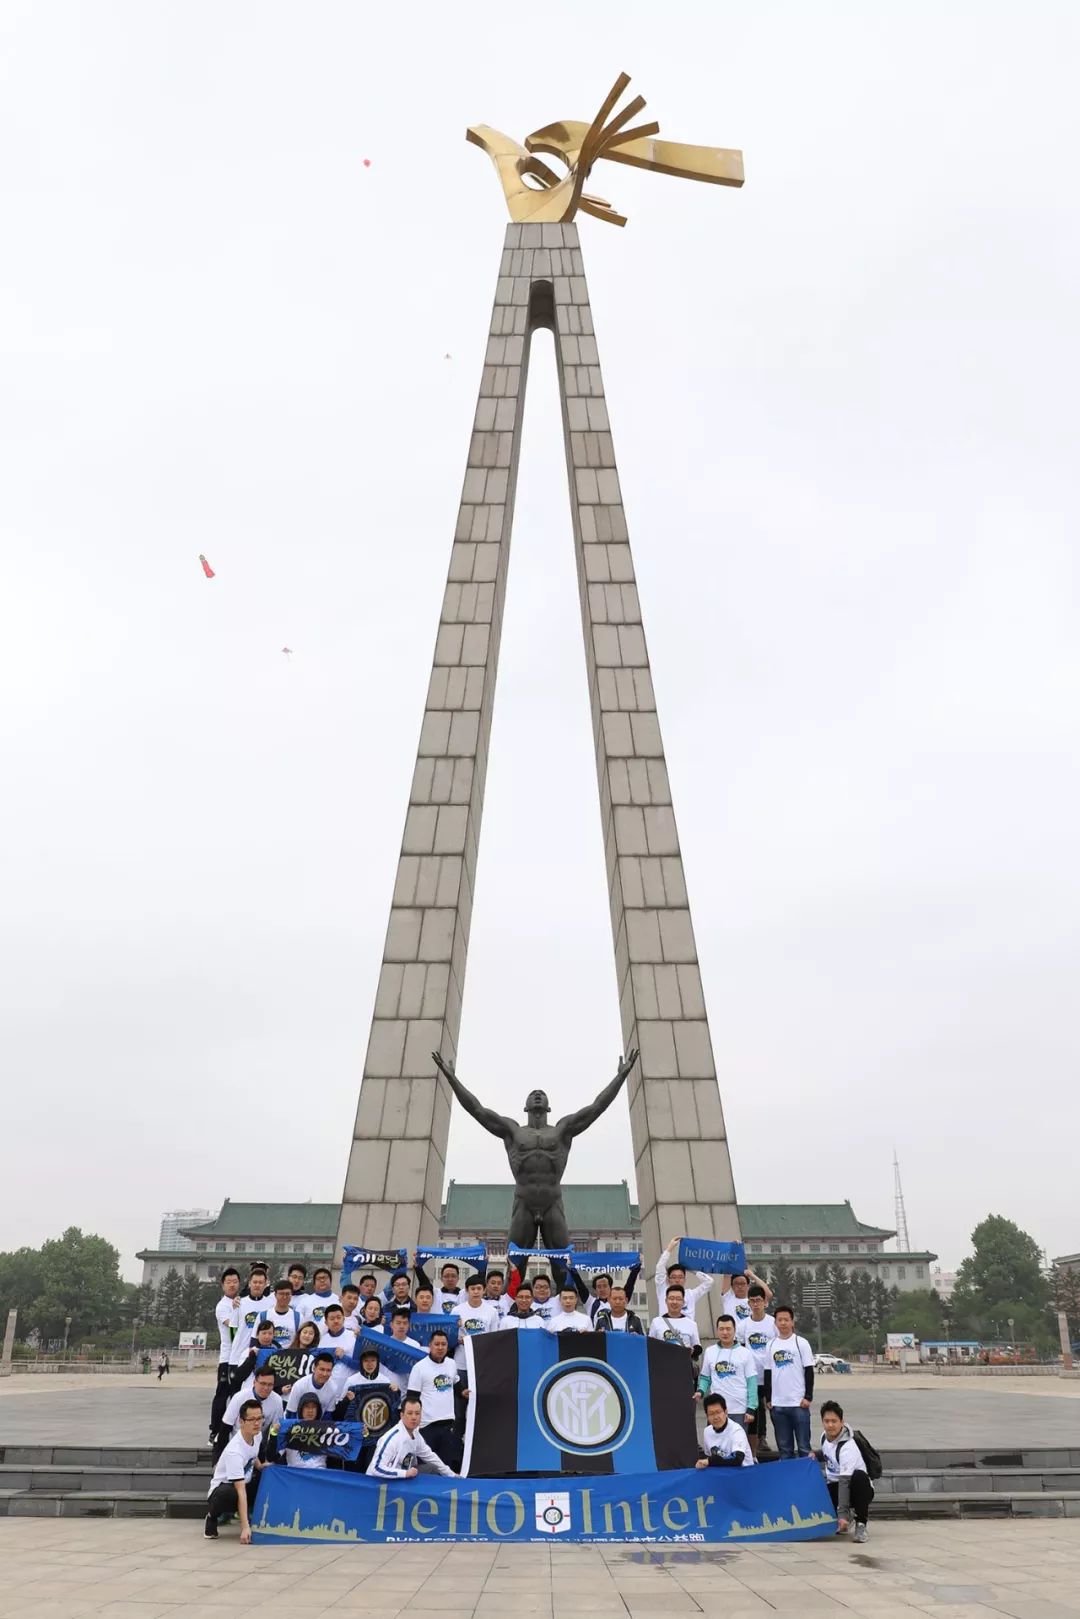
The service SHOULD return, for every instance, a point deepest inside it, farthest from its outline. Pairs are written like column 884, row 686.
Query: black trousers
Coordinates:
column 445, row 1441
column 222, row 1390
column 223, row 1500
column 860, row 1495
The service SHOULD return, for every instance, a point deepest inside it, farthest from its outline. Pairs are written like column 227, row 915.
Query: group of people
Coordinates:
column 758, row 1366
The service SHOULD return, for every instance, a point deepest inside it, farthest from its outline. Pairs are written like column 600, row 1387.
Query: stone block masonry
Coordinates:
column 394, row 1183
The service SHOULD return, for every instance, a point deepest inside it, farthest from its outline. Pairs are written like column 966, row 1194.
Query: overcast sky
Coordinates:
column 845, row 413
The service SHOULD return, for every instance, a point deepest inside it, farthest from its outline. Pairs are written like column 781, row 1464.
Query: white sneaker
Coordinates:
column 860, row 1534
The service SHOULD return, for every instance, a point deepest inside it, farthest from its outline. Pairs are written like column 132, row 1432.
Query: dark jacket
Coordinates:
column 634, row 1323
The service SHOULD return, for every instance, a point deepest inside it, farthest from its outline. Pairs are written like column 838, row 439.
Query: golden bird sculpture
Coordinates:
column 535, row 193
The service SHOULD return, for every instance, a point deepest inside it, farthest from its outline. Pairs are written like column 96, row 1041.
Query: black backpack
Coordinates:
column 871, row 1458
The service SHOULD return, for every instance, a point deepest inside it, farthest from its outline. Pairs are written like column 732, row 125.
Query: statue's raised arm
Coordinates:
column 574, row 1123
column 495, row 1122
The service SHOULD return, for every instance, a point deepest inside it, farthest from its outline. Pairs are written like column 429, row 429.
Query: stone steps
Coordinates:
column 171, row 1482
column 977, row 1504
column 44, row 1503
column 159, row 1458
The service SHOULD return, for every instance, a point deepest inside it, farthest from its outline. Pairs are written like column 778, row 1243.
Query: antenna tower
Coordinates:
column 903, row 1240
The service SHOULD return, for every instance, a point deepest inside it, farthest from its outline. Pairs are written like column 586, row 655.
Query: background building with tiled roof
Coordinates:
column 600, row 1215
column 242, row 1232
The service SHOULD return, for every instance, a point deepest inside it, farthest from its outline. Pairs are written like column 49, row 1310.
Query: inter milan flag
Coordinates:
column 577, row 1402
column 372, row 1407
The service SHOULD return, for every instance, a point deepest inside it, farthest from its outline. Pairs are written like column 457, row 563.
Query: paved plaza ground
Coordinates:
column 132, row 1569
column 913, row 1411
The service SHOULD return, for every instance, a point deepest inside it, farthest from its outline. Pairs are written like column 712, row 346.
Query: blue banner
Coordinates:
column 475, row 1253
column 714, row 1258
column 747, row 1506
column 398, row 1356
column 422, row 1326
column 286, row 1364
column 603, row 1262
column 355, row 1259
column 342, row 1439
column 514, row 1253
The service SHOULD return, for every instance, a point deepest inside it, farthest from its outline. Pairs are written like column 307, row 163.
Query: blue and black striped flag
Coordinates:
column 569, row 1402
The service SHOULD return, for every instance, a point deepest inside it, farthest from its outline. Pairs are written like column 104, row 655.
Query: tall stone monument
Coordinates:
column 397, row 1162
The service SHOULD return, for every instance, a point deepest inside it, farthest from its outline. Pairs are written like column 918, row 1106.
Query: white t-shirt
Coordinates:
column 317, row 1305
column 303, row 1458
column 546, row 1309
column 512, row 1322
column 842, row 1456
column 273, row 1409
column 236, row 1462
column 327, row 1395
column 434, row 1382
column 681, row 1329
column 739, row 1308
column 693, row 1294
column 342, row 1343
column 727, row 1371
column 786, row 1359
column 575, row 1321
column 728, row 1440
column 286, row 1324
column 757, row 1336
column 471, row 1323
column 398, row 1450
column 446, row 1302
column 617, row 1323
column 248, row 1311
column 225, row 1316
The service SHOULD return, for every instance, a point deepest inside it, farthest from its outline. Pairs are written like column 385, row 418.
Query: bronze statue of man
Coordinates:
column 538, row 1152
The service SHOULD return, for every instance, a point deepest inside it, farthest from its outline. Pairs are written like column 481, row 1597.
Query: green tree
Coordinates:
column 1004, row 1268
column 191, row 1304
column 920, row 1312
column 210, row 1292
column 1065, row 1292
column 80, row 1279
column 21, row 1282
column 862, row 1301
column 170, row 1295
column 782, row 1282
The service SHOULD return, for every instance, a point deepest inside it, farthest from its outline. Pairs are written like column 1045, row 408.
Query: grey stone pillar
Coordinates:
column 394, row 1183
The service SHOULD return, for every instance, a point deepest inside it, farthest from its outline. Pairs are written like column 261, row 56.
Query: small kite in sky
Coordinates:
column 287, row 651
column 206, row 568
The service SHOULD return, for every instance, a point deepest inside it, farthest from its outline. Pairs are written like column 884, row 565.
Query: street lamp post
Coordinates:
column 67, row 1329
column 1012, row 1340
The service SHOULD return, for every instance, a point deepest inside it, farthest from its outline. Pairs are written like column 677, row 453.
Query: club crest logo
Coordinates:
column 584, row 1407
column 553, row 1513
column 374, row 1414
